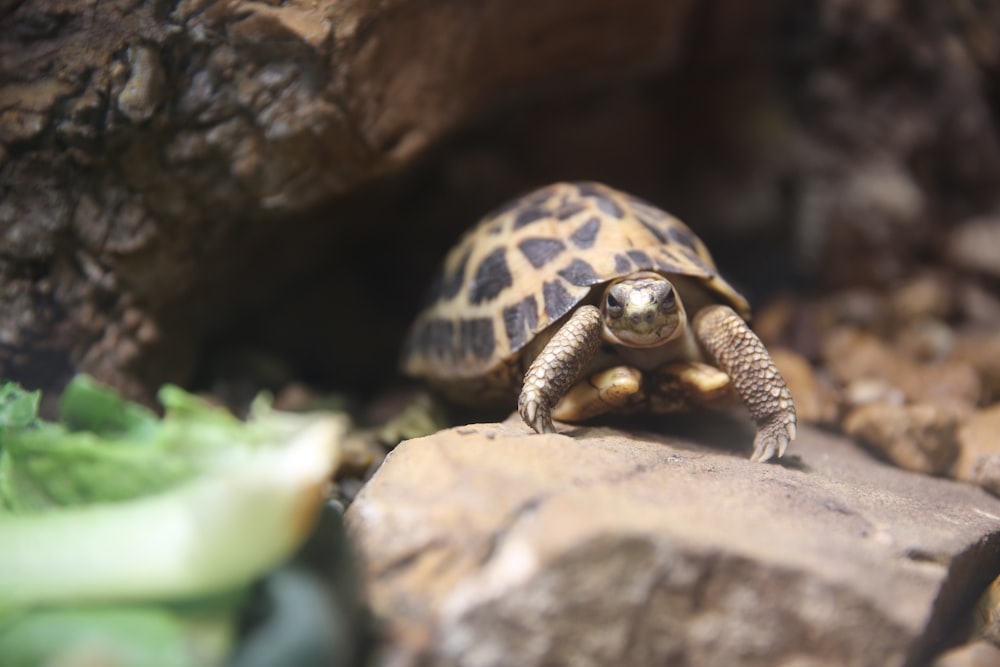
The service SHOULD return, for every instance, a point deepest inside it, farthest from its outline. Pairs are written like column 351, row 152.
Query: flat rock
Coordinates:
column 487, row 546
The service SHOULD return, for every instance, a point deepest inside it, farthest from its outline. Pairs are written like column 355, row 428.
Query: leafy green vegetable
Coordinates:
column 18, row 408
column 106, row 449
column 114, row 504
column 103, row 449
column 86, row 405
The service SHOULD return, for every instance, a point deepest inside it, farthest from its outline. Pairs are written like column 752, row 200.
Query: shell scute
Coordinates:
column 520, row 321
column 492, row 276
column 539, row 251
column 579, row 272
column 558, row 299
column 585, row 235
column 530, row 215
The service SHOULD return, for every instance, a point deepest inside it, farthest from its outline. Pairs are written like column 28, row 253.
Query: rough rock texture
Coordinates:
column 486, row 546
column 149, row 150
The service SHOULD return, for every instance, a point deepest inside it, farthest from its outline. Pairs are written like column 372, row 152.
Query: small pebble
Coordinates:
column 979, row 305
column 975, row 246
column 954, row 381
column 982, row 352
column 926, row 340
column 978, row 437
column 852, row 354
column 860, row 307
column 927, row 296
column 872, row 390
column 920, row 437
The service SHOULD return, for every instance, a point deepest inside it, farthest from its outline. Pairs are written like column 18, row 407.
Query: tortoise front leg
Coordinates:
column 558, row 366
column 736, row 350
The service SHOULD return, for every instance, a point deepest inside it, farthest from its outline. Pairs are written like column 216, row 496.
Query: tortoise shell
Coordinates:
column 529, row 263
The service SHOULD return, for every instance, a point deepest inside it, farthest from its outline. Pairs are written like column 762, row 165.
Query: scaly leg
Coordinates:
column 736, row 349
column 558, row 366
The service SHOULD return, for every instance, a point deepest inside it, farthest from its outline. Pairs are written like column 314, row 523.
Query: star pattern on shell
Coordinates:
column 526, row 265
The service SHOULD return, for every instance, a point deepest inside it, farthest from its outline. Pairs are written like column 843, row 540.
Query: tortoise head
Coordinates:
column 642, row 310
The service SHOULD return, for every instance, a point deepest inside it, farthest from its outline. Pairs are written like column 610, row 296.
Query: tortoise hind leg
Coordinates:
column 558, row 366
column 683, row 385
column 605, row 391
column 728, row 340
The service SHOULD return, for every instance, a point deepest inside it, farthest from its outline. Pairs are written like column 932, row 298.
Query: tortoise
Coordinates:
column 581, row 300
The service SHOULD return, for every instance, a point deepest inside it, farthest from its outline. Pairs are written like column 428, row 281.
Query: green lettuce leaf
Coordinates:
column 112, row 503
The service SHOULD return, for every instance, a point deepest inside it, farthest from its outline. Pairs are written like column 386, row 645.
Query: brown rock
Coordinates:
column 986, row 615
column 975, row 246
column 108, row 142
column 942, row 381
column 974, row 654
column 979, row 305
column 488, row 546
column 790, row 321
column 979, row 436
column 926, row 340
column 772, row 322
column 815, row 402
column 858, row 307
column 982, row 352
column 920, row 437
column 986, row 472
column 852, row 355
column 866, row 391
column 926, row 296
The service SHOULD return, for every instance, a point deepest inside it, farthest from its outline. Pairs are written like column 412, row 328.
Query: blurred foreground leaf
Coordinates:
column 121, row 531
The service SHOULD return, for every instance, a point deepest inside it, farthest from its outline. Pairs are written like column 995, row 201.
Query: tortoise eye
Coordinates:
column 614, row 306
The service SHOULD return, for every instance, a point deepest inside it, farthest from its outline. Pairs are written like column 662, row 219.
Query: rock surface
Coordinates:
column 486, row 546
column 975, row 654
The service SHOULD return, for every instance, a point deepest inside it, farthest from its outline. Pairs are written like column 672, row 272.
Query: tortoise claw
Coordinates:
column 536, row 415
column 773, row 437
